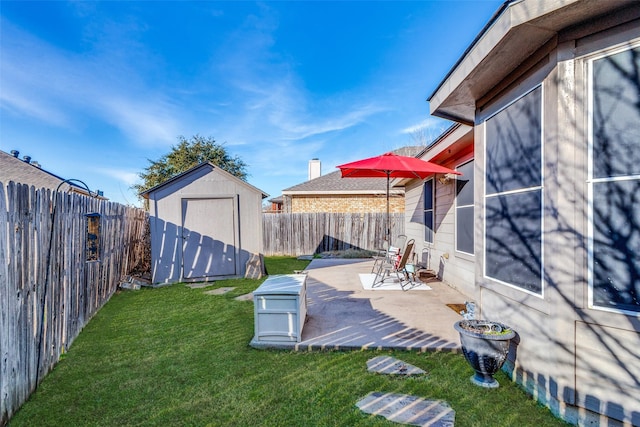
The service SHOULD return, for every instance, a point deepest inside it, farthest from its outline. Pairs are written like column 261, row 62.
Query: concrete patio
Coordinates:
column 342, row 315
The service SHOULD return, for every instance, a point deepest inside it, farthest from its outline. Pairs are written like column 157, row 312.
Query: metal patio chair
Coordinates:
column 397, row 267
column 388, row 251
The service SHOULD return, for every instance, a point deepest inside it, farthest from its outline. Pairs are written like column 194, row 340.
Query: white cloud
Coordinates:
column 426, row 131
column 270, row 101
column 66, row 90
column 127, row 177
column 147, row 123
column 17, row 102
column 426, row 124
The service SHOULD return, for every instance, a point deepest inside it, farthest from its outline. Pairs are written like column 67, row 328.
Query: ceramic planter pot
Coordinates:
column 485, row 345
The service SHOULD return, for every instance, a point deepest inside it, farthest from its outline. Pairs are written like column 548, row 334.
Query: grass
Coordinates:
column 175, row 356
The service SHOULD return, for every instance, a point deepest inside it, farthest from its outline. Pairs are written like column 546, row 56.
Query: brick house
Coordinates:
column 334, row 194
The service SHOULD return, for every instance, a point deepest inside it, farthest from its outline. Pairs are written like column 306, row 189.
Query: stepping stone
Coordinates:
column 200, row 285
column 245, row 297
column 406, row 409
column 219, row 291
column 392, row 366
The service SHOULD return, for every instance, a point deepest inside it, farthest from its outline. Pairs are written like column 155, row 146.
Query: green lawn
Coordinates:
column 175, row 356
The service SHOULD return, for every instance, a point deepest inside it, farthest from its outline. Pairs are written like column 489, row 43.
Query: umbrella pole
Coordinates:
column 388, row 237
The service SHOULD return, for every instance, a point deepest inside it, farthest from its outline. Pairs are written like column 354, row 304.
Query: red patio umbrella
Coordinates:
column 391, row 165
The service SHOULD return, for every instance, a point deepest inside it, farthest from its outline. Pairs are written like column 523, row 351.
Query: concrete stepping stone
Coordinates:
column 392, row 366
column 199, row 285
column 219, row 291
column 407, row 409
column 245, row 297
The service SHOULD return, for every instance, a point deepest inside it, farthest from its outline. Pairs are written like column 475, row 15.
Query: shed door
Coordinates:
column 209, row 238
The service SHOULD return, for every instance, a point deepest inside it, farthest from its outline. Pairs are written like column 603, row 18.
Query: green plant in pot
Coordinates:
column 485, row 345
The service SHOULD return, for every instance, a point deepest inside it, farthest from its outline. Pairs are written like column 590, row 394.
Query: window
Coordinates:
column 428, row 210
column 614, row 182
column 464, row 209
column 513, row 194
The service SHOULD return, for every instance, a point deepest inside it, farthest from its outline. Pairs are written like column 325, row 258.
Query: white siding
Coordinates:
column 458, row 270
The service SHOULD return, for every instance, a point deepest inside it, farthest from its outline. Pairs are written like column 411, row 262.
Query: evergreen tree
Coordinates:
column 185, row 155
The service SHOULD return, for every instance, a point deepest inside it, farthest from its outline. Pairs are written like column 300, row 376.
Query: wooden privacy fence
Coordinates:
column 309, row 233
column 48, row 292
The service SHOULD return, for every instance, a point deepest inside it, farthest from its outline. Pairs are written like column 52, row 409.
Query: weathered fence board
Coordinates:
column 47, row 291
column 309, row 233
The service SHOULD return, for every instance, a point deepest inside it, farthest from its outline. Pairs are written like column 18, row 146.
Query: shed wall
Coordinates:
column 165, row 206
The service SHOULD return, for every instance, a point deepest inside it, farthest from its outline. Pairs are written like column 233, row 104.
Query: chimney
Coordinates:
column 27, row 159
column 315, row 169
column 15, row 153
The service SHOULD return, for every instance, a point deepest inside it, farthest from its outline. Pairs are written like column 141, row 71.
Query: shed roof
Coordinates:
column 230, row 176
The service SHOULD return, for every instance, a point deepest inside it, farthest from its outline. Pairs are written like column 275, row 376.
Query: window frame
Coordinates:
column 457, row 206
column 432, row 210
column 591, row 180
column 538, row 295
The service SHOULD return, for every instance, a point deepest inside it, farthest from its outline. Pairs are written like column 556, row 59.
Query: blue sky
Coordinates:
column 91, row 90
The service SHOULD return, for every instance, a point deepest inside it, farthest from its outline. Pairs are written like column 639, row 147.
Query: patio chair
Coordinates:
column 388, row 251
column 400, row 241
column 410, row 271
column 396, row 266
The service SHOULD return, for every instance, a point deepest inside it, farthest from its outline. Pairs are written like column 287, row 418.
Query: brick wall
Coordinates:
column 346, row 204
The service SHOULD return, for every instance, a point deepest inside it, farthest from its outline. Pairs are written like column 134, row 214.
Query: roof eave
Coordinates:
column 513, row 34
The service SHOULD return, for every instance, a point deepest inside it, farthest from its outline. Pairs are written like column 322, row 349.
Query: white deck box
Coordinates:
column 280, row 308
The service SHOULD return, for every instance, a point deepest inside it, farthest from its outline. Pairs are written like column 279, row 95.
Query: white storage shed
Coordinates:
column 205, row 225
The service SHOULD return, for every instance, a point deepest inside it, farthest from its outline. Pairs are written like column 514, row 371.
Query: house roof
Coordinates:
column 333, row 183
column 513, row 36
column 26, row 172
column 230, row 176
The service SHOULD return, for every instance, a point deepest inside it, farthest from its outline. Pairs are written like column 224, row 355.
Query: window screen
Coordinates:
column 616, row 115
column 465, row 209
column 615, row 183
column 513, row 240
column 428, row 211
column 513, row 194
column 514, row 138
